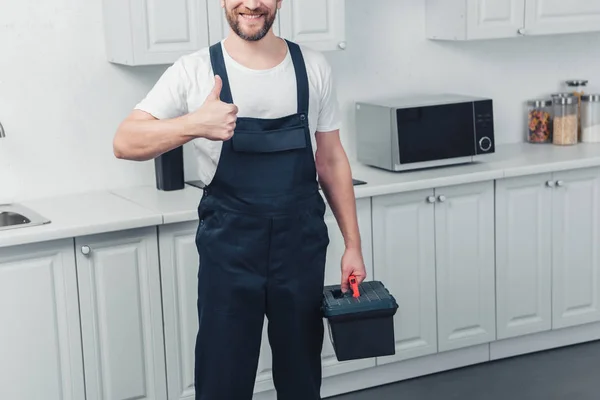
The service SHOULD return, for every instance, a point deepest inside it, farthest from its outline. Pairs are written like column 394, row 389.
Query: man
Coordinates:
column 255, row 106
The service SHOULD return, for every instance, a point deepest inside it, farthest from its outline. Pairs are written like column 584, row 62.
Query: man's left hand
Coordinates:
column 352, row 264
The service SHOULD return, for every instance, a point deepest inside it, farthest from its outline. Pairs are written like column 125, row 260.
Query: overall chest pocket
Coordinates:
column 269, row 141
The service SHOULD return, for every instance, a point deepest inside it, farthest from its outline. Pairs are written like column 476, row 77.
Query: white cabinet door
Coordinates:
column 523, row 255
column 464, row 226
column 40, row 341
column 560, row 16
column 331, row 366
column 319, row 24
column 179, row 274
column 404, row 260
column 218, row 25
column 121, row 315
column 576, row 247
column 491, row 19
column 144, row 32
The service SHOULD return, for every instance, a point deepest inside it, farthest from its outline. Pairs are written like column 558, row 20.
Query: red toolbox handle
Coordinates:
column 354, row 285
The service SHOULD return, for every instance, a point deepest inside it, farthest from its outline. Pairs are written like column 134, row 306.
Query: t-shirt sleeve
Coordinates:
column 168, row 98
column 329, row 110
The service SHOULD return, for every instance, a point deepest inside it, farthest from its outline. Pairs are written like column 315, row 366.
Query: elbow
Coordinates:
column 118, row 149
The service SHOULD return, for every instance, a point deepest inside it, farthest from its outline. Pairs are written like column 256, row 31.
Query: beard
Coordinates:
column 233, row 18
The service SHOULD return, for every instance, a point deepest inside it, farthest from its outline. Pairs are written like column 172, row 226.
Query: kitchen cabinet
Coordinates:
column 319, row 24
column 474, row 19
column 548, row 269
column 404, row 260
column 437, row 244
column 465, row 265
column 495, row 19
column 149, row 32
column 524, row 255
column 575, row 247
column 40, row 342
column 558, row 16
column 179, row 263
column 335, row 251
column 121, row 315
column 146, row 32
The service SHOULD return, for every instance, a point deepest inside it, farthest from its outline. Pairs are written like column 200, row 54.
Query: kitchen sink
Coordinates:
column 13, row 216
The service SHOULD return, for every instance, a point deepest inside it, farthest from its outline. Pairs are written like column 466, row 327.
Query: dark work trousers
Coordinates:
column 262, row 242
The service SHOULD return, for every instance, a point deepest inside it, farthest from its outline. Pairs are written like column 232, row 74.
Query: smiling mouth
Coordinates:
column 251, row 17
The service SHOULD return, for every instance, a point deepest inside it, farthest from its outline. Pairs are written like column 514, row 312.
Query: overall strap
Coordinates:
column 301, row 77
column 218, row 66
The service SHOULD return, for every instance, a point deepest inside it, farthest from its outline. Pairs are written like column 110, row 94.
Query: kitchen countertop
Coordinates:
column 135, row 207
column 79, row 215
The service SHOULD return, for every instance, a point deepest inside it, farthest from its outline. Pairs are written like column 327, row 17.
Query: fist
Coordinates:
column 215, row 120
column 352, row 264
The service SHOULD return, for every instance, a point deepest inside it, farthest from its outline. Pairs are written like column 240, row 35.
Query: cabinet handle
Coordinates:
column 521, row 31
column 560, row 183
column 441, row 198
column 342, row 45
column 550, row 183
column 85, row 250
column 431, row 199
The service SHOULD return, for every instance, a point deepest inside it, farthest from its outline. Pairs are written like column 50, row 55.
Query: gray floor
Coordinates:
column 569, row 373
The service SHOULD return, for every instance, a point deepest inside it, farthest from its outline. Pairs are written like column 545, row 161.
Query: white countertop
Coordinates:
column 135, row 207
column 79, row 215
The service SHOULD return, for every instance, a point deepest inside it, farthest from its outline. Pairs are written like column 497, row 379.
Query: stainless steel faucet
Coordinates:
column 2, row 134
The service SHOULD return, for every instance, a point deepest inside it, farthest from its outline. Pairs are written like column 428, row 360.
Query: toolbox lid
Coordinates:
column 373, row 297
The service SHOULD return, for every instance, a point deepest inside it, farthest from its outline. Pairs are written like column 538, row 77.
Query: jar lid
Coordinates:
column 577, row 82
column 537, row 103
column 591, row 97
column 565, row 94
column 564, row 100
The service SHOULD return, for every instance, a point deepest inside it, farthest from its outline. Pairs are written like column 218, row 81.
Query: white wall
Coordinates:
column 60, row 100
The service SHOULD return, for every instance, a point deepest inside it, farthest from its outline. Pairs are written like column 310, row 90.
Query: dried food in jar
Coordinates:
column 566, row 121
column 565, row 129
column 539, row 123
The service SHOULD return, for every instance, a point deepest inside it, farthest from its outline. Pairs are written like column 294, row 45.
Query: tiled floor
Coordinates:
column 570, row 373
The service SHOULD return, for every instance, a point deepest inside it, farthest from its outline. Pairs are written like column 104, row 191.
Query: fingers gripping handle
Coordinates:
column 354, row 286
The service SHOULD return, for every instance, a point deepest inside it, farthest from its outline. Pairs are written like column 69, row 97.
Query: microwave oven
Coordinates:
column 417, row 132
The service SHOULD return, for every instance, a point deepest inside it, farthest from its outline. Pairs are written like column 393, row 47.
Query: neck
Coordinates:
column 264, row 53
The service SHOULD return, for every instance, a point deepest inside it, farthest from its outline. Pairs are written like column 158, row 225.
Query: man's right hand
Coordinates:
column 214, row 120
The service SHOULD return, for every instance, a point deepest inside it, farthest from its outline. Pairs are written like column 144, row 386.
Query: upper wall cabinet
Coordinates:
column 544, row 17
column 149, row 32
column 319, row 24
column 495, row 19
column 146, row 32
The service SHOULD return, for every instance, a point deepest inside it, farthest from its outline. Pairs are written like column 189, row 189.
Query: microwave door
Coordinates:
column 433, row 133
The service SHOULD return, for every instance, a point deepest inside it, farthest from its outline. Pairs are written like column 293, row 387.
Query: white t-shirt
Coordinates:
column 267, row 93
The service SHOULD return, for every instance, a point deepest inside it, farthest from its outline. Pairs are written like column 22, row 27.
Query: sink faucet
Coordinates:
column 2, row 134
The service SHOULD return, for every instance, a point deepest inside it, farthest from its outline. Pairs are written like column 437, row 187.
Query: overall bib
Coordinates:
column 262, row 242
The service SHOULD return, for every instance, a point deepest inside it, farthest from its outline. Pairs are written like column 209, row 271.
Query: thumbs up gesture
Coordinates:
column 214, row 120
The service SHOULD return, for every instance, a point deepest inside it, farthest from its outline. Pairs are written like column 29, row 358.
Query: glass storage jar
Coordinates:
column 577, row 86
column 539, row 121
column 590, row 118
column 565, row 126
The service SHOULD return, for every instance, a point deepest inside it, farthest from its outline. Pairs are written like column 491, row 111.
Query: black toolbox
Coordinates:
column 361, row 325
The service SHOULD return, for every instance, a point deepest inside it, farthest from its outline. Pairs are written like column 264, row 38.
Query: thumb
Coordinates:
column 216, row 92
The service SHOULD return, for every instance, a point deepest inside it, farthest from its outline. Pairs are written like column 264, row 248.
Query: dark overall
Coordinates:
column 262, row 243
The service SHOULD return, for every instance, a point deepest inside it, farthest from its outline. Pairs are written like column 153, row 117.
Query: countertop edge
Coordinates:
column 515, row 165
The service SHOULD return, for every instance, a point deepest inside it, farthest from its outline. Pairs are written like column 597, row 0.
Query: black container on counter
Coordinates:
column 169, row 170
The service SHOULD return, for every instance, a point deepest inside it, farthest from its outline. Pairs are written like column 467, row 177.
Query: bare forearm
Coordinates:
column 142, row 140
column 335, row 178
